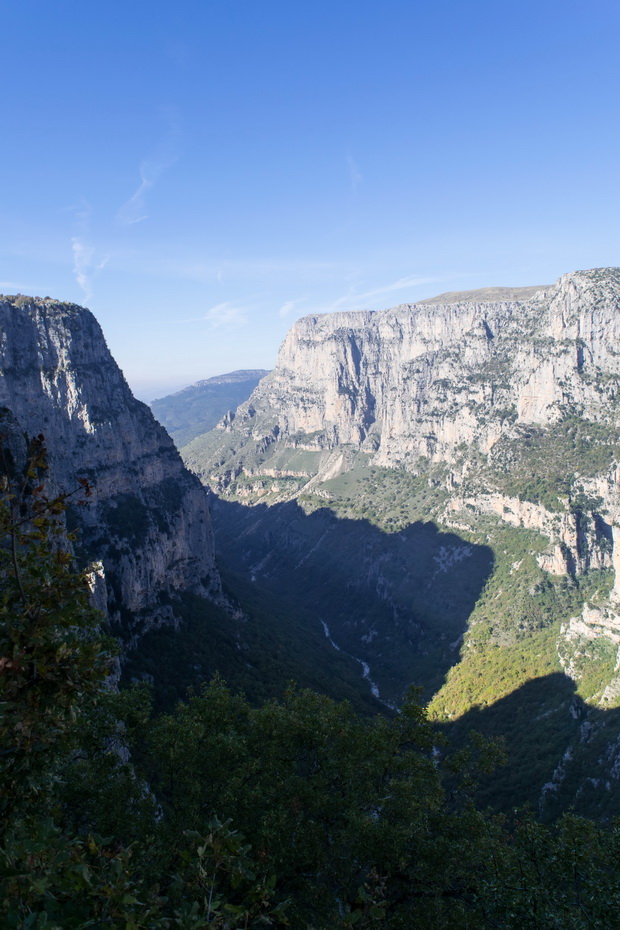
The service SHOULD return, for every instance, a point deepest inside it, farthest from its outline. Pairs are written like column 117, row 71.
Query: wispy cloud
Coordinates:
column 355, row 175
column 226, row 315
column 85, row 267
column 286, row 308
column 401, row 284
column 82, row 259
column 354, row 299
column 151, row 169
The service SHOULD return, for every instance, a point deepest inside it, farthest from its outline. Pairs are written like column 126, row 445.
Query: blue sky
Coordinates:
column 200, row 173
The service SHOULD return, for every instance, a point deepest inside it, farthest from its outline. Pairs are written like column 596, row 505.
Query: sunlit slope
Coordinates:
column 439, row 483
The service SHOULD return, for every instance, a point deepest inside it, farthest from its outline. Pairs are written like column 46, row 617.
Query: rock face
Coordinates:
column 442, row 381
column 421, row 379
column 493, row 417
column 148, row 523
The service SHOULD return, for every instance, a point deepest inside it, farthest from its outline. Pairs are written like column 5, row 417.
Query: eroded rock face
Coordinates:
column 459, row 381
column 575, row 544
column 148, row 523
column 421, row 379
column 437, row 380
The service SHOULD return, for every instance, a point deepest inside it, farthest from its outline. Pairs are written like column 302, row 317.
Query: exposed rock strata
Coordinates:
column 432, row 380
column 148, row 524
column 574, row 548
column 420, row 379
column 454, row 380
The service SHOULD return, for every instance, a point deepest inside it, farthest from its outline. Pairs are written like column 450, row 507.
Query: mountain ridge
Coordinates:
column 328, row 390
column 486, row 295
column 198, row 407
column 231, row 377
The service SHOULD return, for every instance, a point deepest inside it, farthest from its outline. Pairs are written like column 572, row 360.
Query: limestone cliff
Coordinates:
column 438, row 486
column 437, row 381
column 422, row 379
column 505, row 402
column 148, row 523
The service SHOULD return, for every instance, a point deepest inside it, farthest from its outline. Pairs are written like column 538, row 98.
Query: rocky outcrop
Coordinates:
column 439, row 381
column 420, row 379
column 148, row 525
column 577, row 543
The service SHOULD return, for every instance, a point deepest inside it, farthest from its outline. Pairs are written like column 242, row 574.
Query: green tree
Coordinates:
column 296, row 813
column 349, row 815
column 53, row 656
column 62, row 765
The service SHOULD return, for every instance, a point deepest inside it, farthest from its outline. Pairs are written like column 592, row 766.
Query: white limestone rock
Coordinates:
column 421, row 379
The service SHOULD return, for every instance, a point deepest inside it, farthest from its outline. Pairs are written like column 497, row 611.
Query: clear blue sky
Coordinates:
column 202, row 172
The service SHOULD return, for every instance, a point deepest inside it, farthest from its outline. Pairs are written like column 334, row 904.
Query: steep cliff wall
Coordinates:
column 420, row 380
column 395, row 448
column 149, row 521
column 460, row 382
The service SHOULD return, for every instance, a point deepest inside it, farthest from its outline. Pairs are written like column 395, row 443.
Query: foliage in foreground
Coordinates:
column 297, row 813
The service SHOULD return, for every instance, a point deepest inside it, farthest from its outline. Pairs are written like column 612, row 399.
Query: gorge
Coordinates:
column 436, row 485
column 440, row 483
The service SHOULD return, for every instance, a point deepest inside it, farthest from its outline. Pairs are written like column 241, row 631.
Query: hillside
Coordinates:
column 146, row 528
column 197, row 408
column 438, row 483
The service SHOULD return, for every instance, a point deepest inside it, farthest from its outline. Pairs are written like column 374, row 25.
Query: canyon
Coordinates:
column 439, row 482
column 427, row 495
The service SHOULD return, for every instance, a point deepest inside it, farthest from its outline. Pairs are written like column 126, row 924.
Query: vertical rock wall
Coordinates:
column 149, row 521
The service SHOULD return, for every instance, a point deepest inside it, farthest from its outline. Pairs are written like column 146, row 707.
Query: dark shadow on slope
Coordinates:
column 259, row 652
column 400, row 602
column 562, row 753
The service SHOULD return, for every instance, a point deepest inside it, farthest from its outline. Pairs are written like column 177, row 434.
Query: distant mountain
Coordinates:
column 197, row 408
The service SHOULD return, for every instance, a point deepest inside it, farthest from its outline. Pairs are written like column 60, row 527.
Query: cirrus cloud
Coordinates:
column 226, row 314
